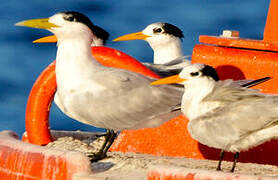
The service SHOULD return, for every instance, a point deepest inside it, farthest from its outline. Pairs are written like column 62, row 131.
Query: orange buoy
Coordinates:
column 114, row 58
column 38, row 106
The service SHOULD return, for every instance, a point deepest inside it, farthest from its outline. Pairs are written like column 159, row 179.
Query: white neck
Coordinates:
column 166, row 52
column 74, row 61
column 192, row 100
column 75, row 51
column 97, row 42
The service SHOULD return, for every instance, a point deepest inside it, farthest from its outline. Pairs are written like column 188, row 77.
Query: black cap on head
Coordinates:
column 210, row 71
column 172, row 30
column 79, row 17
column 101, row 33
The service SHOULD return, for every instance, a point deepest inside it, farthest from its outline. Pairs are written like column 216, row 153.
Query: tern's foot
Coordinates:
column 97, row 156
column 100, row 135
column 218, row 169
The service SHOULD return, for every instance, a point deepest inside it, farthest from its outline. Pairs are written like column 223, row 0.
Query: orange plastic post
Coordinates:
column 271, row 26
column 42, row 93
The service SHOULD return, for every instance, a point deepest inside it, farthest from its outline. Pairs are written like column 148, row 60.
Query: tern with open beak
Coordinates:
column 104, row 97
column 224, row 115
column 99, row 39
column 165, row 40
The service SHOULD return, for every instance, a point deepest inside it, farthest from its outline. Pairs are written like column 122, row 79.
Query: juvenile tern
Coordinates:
column 165, row 41
column 224, row 115
column 105, row 97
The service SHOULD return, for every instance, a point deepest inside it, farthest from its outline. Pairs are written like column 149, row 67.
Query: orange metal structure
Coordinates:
column 24, row 161
column 271, row 26
column 232, row 57
column 180, row 173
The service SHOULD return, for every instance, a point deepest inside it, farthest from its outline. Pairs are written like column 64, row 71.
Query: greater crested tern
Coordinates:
column 104, row 97
column 224, row 115
column 165, row 40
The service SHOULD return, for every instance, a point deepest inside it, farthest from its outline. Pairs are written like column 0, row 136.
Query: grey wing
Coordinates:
column 241, row 112
column 172, row 68
column 230, row 124
column 180, row 61
column 130, row 102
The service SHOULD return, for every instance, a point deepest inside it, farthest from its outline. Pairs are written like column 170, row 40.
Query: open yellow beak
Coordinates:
column 37, row 23
column 169, row 80
column 47, row 39
column 132, row 36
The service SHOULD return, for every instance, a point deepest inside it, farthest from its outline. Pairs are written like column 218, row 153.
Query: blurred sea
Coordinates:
column 21, row 61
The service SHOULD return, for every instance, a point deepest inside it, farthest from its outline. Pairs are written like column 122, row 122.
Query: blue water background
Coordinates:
column 21, row 61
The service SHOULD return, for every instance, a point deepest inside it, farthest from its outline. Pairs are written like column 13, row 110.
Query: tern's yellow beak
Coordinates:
column 37, row 23
column 47, row 39
column 169, row 80
column 132, row 36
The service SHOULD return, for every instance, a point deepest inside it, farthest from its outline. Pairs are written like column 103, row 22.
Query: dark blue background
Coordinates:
column 21, row 61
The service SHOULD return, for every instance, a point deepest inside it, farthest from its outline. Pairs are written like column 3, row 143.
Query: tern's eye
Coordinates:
column 194, row 74
column 157, row 30
column 69, row 18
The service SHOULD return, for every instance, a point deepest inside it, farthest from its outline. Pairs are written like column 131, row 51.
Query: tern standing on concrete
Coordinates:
column 224, row 115
column 104, row 97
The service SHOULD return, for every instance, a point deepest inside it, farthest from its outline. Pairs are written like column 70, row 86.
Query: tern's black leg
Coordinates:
column 107, row 137
column 99, row 155
column 220, row 160
column 235, row 161
column 110, row 142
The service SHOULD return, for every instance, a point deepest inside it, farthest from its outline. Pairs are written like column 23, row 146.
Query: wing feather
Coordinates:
column 128, row 101
column 241, row 112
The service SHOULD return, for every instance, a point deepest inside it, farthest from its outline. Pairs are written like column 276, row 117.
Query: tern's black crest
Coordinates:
column 101, row 33
column 79, row 17
column 210, row 71
column 172, row 30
